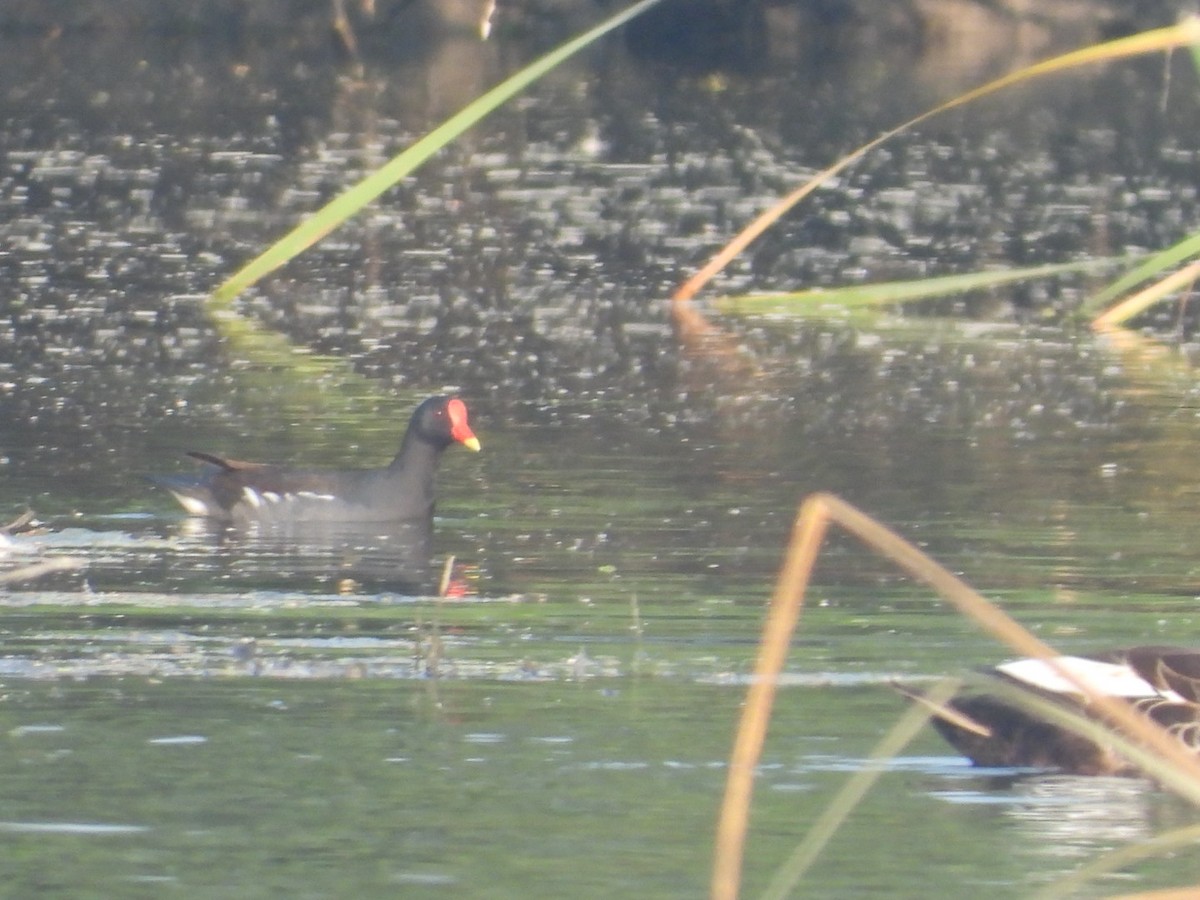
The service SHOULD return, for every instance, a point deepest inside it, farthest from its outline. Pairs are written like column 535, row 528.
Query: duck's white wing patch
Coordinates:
column 1113, row 679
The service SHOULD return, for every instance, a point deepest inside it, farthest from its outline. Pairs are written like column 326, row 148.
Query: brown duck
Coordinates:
column 1163, row 683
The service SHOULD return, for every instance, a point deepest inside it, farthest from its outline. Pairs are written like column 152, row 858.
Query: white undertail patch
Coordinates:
column 193, row 506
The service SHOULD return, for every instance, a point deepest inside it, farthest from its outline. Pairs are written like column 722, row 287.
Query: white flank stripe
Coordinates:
column 313, row 495
column 192, row 505
column 252, row 497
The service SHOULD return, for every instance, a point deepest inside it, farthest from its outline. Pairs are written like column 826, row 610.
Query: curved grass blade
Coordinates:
column 1152, row 267
column 853, row 791
column 900, row 291
column 1185, row 33
column 1144, row 299
column 350, row 202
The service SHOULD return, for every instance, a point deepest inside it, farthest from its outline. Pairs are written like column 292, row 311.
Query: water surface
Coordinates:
column 209, row 714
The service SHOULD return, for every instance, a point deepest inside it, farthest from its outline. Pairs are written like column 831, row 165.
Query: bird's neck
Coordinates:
column 417, row 458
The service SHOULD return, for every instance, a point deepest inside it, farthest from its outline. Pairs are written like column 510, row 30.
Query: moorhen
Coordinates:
column 1162, row 683
column 246, row 492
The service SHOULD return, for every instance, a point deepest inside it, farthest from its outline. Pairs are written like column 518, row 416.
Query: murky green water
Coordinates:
column 502, row 788
column 196, row 713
